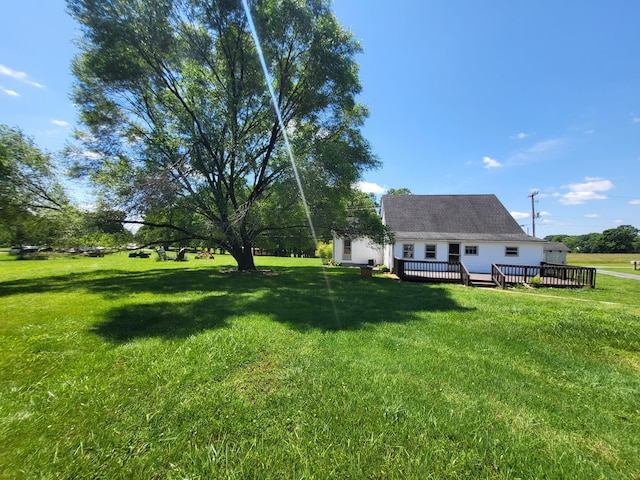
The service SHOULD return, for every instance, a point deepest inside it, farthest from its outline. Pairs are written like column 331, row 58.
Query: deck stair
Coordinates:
column 482, row 280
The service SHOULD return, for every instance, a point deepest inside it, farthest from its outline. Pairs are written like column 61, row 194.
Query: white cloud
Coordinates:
column 520, row 136
column 490, row 163
column 592, row 215
column 635, row 119
column 369, row 187
column 634, row 202
column 536, row 150
column 545, row 146
column 520, row 215
column 590, row 189
column 544, row 214
column 20, row 76
column 11, row 93
column 59, row 123
column 590, row 131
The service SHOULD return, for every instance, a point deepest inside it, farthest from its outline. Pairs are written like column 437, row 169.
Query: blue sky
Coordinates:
column 503, row 97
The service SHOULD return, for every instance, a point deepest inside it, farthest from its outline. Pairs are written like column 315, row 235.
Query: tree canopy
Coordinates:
column 399, row 191
column 179, row 125
column 622, row 239
column 32, row 198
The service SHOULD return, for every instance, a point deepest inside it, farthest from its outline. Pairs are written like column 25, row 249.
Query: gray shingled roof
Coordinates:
column 556, row 247
column 451, row 217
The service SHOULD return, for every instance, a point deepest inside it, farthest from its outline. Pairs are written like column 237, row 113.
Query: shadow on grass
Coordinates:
column 193, row 300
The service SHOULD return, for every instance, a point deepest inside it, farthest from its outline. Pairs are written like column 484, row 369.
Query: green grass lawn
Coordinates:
column 616, row 262
column 622, row 259
column 133, row 368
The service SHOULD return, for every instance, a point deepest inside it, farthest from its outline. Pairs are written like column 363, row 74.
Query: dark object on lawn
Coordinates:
column 206, row 254
column 366, row 272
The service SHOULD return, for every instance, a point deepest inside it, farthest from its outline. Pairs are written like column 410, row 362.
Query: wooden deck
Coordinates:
column 543, row 275
column 475, row 279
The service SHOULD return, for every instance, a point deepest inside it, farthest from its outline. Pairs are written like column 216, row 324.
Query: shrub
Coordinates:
column 325, row 251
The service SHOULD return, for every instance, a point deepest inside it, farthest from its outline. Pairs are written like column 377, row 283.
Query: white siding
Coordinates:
column 529, row 253
column 388, row 256
column 489, row 253
column 419, row 250
column 362, row 250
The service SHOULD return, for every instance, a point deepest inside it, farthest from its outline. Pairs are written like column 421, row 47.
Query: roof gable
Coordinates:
column 461, row 217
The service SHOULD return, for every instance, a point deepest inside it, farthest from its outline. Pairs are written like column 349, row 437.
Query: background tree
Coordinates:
column 32, row 200
column 102, row 227
column 363, row 216
column 618, row 240
column 623, row 239
column 399, row 191
column 178, row 118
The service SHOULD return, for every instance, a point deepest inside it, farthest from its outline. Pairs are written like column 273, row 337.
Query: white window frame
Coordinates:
column 430, row 254
column 471, row 250
column 511, row 251
column 408, row 250
column 346, row 249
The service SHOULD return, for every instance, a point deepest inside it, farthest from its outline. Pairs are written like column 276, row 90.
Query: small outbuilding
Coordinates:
column 556, row 252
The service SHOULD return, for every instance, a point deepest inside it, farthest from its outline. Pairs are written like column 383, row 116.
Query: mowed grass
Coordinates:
column 616, row 262
column 132, row 368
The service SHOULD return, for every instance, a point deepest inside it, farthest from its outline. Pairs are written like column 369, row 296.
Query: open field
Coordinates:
column 133, row 368
column 620, row 259
column 615, row 262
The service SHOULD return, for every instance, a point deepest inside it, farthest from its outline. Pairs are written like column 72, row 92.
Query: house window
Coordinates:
column 429, row 251
column 511, row 251
column 471, row 250
column 407, row 250
column 346, row 249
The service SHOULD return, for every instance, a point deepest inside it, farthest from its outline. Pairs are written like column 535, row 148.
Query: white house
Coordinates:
column 476, row 230
column 356, row 251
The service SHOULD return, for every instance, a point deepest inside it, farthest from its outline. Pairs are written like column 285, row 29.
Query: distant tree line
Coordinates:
column 623, row 239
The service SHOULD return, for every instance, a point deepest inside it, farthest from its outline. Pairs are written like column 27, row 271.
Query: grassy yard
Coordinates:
column 616, row 262
column 596, row 259
column 120, row 368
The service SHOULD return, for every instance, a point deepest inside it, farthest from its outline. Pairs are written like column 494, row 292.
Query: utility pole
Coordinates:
column 533, row 211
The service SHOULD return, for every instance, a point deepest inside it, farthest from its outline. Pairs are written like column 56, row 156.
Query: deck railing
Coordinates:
column 430, row 270
column 545, row 274
column 582, row 276
column 498, row 276
column 503, row 275
column 464, row 275
column 514, row 274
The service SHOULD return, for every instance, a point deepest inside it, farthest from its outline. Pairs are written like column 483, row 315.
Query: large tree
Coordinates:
column 32, row 199
column 180, row 124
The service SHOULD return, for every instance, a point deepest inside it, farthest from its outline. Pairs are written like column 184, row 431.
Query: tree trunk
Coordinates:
column 244, row 257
